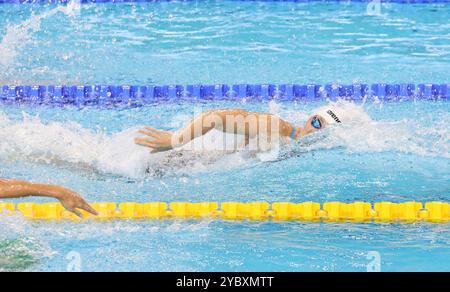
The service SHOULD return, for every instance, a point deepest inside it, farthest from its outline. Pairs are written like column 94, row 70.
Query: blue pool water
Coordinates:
column 227, row 42
column 390, row 151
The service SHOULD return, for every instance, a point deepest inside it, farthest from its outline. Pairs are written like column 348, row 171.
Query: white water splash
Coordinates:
column 69, row 143
column 362, row 134
column 56, row 143
column 18, row 36
column 73, row 8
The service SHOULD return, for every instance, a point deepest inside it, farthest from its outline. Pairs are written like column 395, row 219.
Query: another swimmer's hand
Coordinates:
column 10, row 188
column 72, row 201
column 155, row 139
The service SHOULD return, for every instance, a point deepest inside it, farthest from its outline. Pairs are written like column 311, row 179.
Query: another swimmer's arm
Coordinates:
column 68, row 198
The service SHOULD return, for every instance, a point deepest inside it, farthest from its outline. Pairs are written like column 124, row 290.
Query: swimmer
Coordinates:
column 239, row 122
column 68, row 198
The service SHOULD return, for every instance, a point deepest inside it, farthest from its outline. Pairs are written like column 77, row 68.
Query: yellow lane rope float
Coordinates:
column 438, row 212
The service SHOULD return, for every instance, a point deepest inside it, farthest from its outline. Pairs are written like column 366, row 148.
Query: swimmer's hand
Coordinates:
column 155, row 139
column 72, row 201
column 10, row 189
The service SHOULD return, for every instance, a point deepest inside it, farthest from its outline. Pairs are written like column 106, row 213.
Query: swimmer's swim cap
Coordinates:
column 332, row 114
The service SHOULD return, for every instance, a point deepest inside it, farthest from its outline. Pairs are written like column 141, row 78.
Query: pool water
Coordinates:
column 389, row 151
column 225, row 42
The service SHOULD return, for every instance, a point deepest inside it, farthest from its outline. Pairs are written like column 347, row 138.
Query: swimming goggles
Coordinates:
column 316, row 123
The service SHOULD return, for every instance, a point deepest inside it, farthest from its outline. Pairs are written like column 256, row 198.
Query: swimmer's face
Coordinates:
column 314, row 124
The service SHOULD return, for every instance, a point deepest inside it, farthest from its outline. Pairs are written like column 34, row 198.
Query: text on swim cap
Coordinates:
column 333, row 116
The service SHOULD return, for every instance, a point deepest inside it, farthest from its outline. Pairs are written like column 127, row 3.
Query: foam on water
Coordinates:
column 56, row 143
column 70, row 143
column 363, row 134
column 360, row 133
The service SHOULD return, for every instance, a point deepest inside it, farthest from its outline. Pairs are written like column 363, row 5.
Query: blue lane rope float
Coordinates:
column 116, row 95
column 150, row 1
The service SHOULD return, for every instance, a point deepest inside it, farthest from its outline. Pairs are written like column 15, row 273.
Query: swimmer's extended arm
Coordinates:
column 68, row 198
column 234, row 121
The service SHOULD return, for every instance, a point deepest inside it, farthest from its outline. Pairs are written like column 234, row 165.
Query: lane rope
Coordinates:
column 437, row 212
column 162, row 1
column 135, row 95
